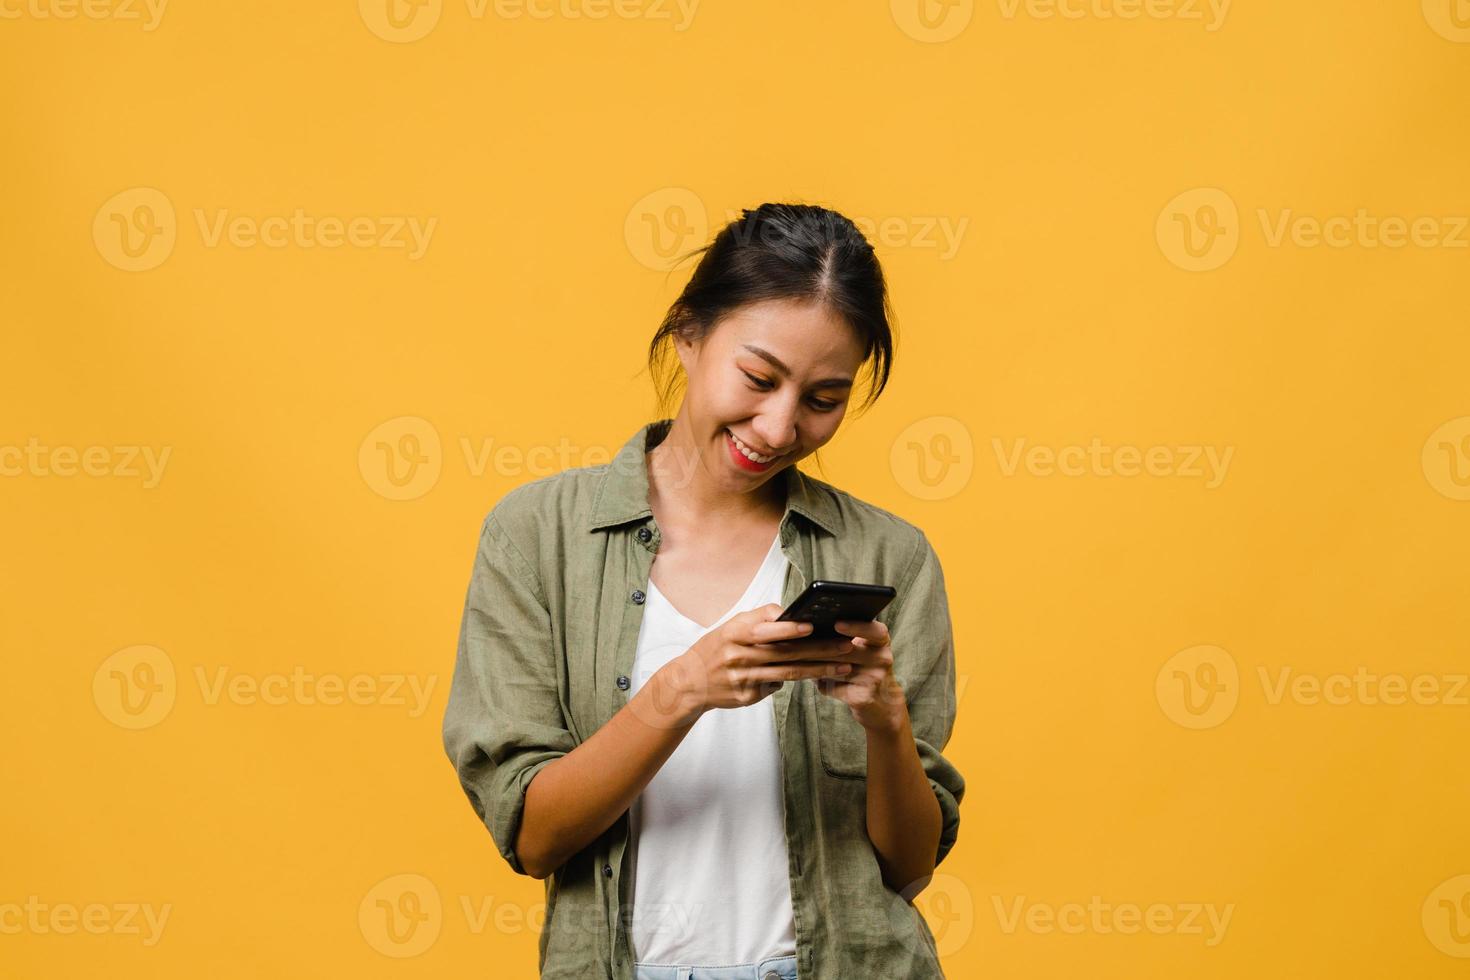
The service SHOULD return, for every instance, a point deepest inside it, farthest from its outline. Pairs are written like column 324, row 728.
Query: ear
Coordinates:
column 688, row 351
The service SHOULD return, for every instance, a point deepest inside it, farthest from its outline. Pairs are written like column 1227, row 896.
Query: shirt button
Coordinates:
column 644, row 534
column 622, row 682
column 607, row 871
column 638, row 596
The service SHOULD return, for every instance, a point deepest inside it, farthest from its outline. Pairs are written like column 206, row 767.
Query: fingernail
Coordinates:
column 844, row 668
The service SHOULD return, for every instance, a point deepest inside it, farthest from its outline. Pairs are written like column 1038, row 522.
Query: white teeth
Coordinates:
column 746, row 451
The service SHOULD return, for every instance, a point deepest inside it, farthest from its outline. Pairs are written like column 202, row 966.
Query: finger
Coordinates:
column 836, row 648
column 833, row 686
column 869, row 629
column 757, row 614
column 774, row 674
column 774, row 631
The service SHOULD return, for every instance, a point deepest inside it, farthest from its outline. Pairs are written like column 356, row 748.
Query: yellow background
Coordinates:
column 547, row 150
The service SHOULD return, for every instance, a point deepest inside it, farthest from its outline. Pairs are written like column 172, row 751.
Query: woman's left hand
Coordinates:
column 871, row 692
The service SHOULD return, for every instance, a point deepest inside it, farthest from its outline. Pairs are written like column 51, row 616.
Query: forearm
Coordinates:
column 903, row 817
column 575, row 798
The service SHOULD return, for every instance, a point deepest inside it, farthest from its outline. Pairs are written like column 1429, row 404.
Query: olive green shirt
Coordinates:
column 546, row 647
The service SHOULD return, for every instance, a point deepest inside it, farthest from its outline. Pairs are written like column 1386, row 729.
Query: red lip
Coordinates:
column 743, row 461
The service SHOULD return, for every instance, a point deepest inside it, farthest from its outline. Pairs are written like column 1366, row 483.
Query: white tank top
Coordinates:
column 710, row 882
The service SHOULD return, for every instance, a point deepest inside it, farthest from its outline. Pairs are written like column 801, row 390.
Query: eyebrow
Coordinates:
column 775, row 362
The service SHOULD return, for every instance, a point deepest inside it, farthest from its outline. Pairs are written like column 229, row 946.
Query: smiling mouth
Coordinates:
column 761, row 460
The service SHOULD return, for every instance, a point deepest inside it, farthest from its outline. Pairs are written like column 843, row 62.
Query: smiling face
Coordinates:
column 772, row 380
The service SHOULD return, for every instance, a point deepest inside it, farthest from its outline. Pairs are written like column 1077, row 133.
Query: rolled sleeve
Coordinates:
column 924, row 664
column 504, row 719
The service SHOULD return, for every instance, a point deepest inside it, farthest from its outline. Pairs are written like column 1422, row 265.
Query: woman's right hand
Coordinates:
column 732, row 666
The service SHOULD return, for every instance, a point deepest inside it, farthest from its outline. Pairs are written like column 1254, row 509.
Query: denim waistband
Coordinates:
column 777, row 967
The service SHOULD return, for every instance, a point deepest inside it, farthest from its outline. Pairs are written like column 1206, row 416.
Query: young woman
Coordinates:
column 711, row 794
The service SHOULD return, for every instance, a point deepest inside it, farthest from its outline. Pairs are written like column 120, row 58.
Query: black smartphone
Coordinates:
column 824, row 602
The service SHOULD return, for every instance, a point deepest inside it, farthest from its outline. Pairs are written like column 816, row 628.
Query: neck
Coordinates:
column 681, row 482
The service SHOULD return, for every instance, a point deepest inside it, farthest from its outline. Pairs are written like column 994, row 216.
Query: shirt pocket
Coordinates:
column 842, row 742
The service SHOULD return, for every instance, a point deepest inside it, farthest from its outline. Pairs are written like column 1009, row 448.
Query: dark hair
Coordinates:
column 781, row 251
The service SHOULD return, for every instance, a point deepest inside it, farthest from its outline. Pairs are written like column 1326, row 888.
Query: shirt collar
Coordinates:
column 622, row 492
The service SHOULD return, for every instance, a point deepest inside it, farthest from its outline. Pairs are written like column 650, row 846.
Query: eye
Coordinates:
column 761, row 384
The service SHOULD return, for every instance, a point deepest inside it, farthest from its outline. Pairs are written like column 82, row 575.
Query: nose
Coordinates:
column 777, row 427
